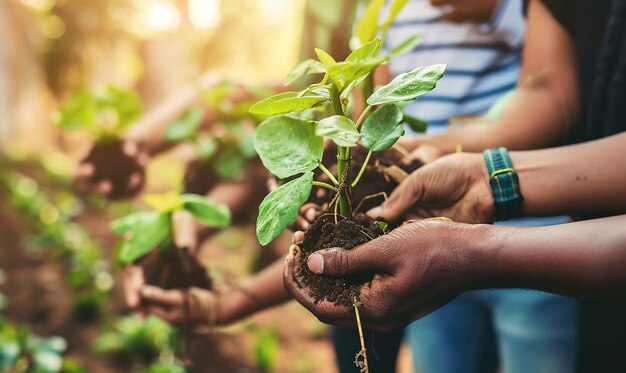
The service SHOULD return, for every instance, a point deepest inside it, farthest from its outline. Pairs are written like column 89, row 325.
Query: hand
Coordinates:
column 455, row 186
column 116, row 170
column 421, row 149
column 479, row 11
column 194, row 306
column 415, row 272
column 133, row 280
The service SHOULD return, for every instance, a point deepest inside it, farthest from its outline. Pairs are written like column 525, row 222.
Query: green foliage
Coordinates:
column 146, row 231
column 186, row 126
column 105, row 113
column 165, row 367
column 284, row 103
column 288, row 146
column 211, row 214
column 134, row 336
column 383, row 128
column 416, row 124
column 280, row 207
column 22, row 351
column 408, row 86
column 266, row 348
column 338, row 128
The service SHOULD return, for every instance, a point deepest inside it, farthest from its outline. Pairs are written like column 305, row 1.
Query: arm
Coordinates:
column 542, row 112
column 416, row 271
column 587, row 177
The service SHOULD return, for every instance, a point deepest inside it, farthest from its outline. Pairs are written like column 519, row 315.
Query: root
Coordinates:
column 360, row 359
column 366, row 198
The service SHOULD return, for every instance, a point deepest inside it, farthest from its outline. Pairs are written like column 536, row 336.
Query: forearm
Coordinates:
column 257, row 293
column 582, row 259
column 588, row 177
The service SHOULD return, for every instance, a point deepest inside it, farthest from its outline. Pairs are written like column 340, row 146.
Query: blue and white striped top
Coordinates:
column 483, row 59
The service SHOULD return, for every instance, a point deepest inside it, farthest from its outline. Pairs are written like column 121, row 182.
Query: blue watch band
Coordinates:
column 504, row 184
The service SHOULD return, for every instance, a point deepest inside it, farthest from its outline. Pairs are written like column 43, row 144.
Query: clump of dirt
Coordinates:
column 175, row 268
column 200, row 177
column 115, row 166
column 325, row 234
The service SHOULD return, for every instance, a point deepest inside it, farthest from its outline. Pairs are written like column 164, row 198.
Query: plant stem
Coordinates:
column 329, row 174
column 363, row 166
column 343, row 166
column 362, row 116
column 324, row 185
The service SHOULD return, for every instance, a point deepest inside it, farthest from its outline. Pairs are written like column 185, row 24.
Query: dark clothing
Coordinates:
column 382, row 349
column 598, row 28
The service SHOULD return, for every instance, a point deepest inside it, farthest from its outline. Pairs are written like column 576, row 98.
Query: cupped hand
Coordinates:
column 114, row 169
column 417, row 268
column 455, row 186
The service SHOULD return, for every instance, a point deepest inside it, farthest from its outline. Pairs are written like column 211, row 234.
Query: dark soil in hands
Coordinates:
column 115, row 165
column 175, row 268
column 325, row 234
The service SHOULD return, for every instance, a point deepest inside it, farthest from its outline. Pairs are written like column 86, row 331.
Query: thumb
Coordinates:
column 184, row 230
column 400, row 200
column 338, row 262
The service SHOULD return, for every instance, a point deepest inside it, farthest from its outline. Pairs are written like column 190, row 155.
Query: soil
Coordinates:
column 383, row 174
column 200, row 177
column 115, row 164
column 325, row 234
column 175, row 268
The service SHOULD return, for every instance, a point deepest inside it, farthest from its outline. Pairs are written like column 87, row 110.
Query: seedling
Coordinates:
column 146, row 231
column 292, row 148
column 105, row 114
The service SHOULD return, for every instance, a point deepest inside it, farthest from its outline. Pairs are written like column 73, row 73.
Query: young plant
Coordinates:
column 104, row 114
column 21, row 351
column 292, row 147
column 147, row 231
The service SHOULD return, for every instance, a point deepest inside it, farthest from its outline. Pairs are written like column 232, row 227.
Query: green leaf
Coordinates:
column 382, row 128
column 366, row 51
column 211, row 214
column 305, row 67
column 394, row 9
column 284, row 103
column 325, row 58
column 408, row 86
column 206, row 147
column 185, row 126
column 344, row 73
column 230, row 164
column 288, row 146
column 416, row 124
column 128, row 222
column 280, row 207
column 406, row 46
column 338, row 128
column 367, row 26
column 148, row 231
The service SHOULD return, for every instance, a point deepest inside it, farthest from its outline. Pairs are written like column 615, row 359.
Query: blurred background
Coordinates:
column 61, row 307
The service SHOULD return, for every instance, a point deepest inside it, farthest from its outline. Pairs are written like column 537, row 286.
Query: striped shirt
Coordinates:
column 483, row 59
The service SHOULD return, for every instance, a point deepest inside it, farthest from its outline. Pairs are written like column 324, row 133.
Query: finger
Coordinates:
column 400, row 200
column 84, row 170
column 173, row 316
column 323, row 310
column 135, row 180
column 157, row 295
column 184, row 230
column 133, row 280
column 311, row 214
column 338, row 262
column 302, row 223
column 104, row 187
column 142, row 159
column 130, row 148
column 298, row 236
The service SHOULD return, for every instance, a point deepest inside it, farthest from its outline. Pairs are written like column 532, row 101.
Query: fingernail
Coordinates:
column 315, row 263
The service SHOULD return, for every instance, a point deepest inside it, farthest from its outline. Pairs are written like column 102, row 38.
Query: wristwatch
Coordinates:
column 504, row 184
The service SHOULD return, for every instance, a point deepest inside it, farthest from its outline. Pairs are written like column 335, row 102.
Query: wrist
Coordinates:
column 483, row 246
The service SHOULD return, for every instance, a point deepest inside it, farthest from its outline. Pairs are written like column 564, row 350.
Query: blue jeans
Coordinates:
column 518, row 330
